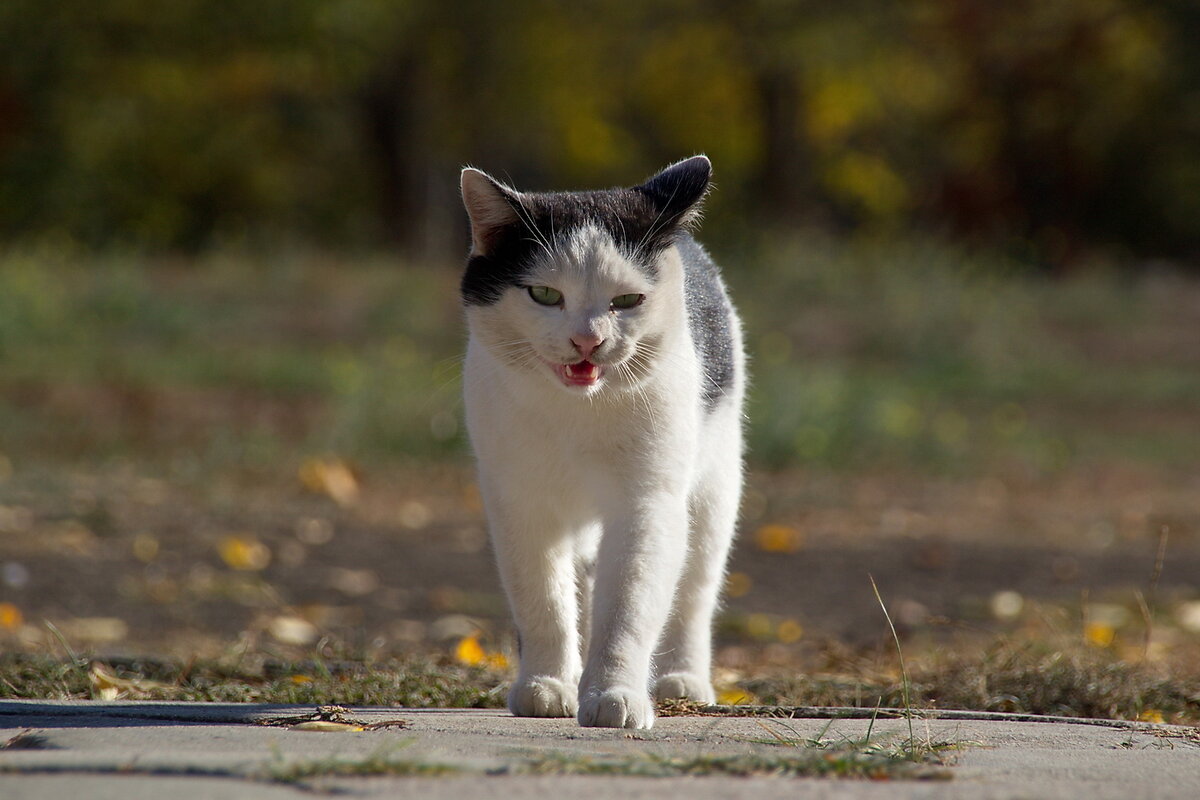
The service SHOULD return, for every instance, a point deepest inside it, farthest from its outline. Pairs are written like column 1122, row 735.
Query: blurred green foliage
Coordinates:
column 1069, row 125
column 864, row 357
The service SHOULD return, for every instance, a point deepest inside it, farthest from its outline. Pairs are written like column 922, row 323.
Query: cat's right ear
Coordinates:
column 491, row 205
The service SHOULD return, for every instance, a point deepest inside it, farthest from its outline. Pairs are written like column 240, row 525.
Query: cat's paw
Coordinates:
column 684, row 686
column 542, row 696
column 616, row 708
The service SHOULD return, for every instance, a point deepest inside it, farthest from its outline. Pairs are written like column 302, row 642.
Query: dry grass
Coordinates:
column 1033, row 678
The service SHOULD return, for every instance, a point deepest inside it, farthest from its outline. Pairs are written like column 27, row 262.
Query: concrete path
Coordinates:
column 182, row 751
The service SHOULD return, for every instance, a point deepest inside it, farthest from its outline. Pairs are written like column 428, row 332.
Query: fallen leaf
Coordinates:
column 1188, row 615
column 1098, row 634
column 108, row 686
column 733, row 696
column 778, row 539
column 331, row 477
column 470, row 652
column 11, row 617
column 244, row 553
column 327, row 727
column 789, row 631
column 295, row 630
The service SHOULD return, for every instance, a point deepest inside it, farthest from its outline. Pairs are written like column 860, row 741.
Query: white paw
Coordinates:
column 616, row 708
column 686, row 686
column 542, row 696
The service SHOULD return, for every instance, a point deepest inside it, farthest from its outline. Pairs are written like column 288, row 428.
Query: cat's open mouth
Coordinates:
column 581, row 373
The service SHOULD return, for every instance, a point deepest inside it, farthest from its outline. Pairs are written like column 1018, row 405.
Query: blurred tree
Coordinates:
column 1072, row 124
column 1044, row 99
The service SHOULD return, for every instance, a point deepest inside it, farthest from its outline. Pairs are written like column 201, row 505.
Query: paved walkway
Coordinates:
column 129, row 750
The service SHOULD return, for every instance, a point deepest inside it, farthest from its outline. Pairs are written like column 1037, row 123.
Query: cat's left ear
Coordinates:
column 491, row 205
column 678, row 191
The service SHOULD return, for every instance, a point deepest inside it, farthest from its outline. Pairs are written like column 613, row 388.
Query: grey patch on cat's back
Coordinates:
column 710, row 320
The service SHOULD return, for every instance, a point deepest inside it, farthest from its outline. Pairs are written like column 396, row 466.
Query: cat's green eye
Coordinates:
column 545, row 296
column 624, row 301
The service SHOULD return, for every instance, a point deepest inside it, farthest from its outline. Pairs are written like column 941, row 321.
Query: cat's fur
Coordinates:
column 611, row 487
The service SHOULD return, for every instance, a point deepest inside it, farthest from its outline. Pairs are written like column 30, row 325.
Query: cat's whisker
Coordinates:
column 635, row 383
column 656, row 353
column 540, row 244
column 526, row 217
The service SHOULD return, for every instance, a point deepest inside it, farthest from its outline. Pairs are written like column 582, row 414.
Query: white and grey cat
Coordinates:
column 603, row 383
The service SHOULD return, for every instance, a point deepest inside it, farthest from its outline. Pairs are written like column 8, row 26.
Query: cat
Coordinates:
column 603, row 385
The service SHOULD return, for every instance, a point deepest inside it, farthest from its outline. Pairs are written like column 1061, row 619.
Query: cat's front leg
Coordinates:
column 537, row 569
column 640, row 558
column 685, row 656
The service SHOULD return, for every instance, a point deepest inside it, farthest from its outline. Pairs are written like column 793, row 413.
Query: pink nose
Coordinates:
column 586, row 343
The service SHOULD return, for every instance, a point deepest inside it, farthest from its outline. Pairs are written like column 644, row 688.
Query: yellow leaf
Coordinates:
column 326, row 726
column 1151, row 715
column 469, row 651
column 244, row 553
column 733, row 696
column 109, row 686
column 11, row 617
column 300, row 680
column 332, row 477
column 778, row 539
column 789, row 631
column 1099, row 634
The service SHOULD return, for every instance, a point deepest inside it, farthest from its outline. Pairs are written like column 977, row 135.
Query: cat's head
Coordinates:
column 579, row 288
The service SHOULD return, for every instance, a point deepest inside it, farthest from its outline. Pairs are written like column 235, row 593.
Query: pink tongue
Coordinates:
column 582, row 369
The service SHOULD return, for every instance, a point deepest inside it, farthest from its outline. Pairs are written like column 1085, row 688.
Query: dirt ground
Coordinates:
column 126, row 561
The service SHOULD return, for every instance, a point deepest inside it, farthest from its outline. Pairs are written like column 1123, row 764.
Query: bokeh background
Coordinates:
column 1057, row 128
column 965, row 237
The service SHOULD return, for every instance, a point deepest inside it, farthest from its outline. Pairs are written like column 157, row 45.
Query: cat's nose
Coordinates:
column 586, row 343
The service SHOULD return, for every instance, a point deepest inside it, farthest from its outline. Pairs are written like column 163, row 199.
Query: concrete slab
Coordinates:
column 131, row 750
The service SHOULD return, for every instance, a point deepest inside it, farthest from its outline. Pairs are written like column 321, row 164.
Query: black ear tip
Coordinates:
column 692, row 172
column 697, row 167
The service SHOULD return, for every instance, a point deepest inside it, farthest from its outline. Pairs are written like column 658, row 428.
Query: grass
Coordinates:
column 383, row 761
column 905, row 686
column 890, row 749
column 416, row 682
column 843, row 759
column 846, row 758
column 1045, row 678
column 904, row 355
column 1034, row 678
